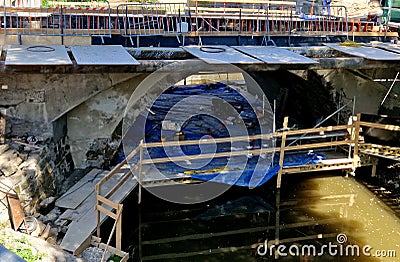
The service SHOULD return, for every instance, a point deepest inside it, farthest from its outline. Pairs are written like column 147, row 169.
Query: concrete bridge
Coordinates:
column 86, row 102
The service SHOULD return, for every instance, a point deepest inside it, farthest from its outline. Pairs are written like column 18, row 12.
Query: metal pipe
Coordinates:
column 320, row 123
column 390, row 89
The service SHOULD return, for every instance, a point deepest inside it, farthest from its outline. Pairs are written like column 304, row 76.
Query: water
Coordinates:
column 231, row 227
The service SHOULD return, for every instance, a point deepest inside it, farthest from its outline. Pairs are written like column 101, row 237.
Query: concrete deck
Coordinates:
column 153, row 58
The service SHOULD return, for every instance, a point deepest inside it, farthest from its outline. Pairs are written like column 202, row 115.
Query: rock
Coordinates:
column 4, row 148
column 47, row 203
column 9, row 162
column 53, row 233
column 52, row 216
column 52, row 240
column 46, row 232
column 94, row 254
column 39, row 229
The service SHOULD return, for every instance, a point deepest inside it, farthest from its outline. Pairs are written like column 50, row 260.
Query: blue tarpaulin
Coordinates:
column 195, row 122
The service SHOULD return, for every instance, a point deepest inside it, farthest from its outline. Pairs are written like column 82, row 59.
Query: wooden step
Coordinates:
column 83, row 224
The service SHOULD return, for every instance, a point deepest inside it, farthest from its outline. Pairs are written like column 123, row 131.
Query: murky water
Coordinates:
column 314, row 210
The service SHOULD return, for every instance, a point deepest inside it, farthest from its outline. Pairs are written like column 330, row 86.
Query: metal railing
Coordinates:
column 319, row 20
column 272, row 19
column 153, row 19
column 148, row 19
column 58, row 21
column 239, row 18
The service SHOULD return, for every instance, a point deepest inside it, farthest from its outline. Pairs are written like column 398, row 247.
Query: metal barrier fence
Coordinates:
column 153, row 19
column 147, row 19
column 321, row 20
column 272, row 19
column 240, row 18
column 58, row 21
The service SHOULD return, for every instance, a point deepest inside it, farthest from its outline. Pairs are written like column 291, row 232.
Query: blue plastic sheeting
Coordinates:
column 211, row 121
column 247, row 178
column 195, row 123
column 7, row 255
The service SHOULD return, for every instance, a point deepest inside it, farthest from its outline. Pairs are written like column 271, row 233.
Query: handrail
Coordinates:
column 351, row 137
column 228, row 153
column 118, row 167
column 59, row 20
column 244, row 138
column 380, row 126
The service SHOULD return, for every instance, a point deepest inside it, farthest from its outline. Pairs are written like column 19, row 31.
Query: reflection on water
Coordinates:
column 314, row 210
column 360, row 215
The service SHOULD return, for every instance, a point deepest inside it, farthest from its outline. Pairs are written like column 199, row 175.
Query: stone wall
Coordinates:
column 32, row 101
column 36, row 175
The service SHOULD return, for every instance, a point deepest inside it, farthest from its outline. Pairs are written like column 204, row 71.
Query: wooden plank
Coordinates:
column 85, row 244
column 106, row 212
column 107, row 201
column 119, row 166
column 282, row 153
column 247, row 138
column 317, row 167
column 85, row 226
column 380, row 126
column 243, row 152
column 81, row 190
column 112, row 250
column 121, row 182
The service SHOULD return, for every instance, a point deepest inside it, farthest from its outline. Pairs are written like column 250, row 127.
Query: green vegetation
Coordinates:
column 20, row 246
column 350, row 43
column 114, row 258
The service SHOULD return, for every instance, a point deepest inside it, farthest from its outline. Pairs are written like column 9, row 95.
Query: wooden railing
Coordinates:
column 113, row 209
column 302, row 139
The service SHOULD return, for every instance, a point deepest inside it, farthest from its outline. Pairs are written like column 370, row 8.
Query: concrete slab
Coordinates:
column 102, row 55
column 23, row 55
column 274, row 55
column 395, row 48
column 366, row 52
column 220, row 54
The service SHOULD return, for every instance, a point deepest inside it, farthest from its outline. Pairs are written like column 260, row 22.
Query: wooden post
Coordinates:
column 118, row 238
column 277, row 222
column 373, row 172
column 356, row 158
column 282, row 152
column 117, row 218
column 278, row 183
column 140, row 171
column 98, row 192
